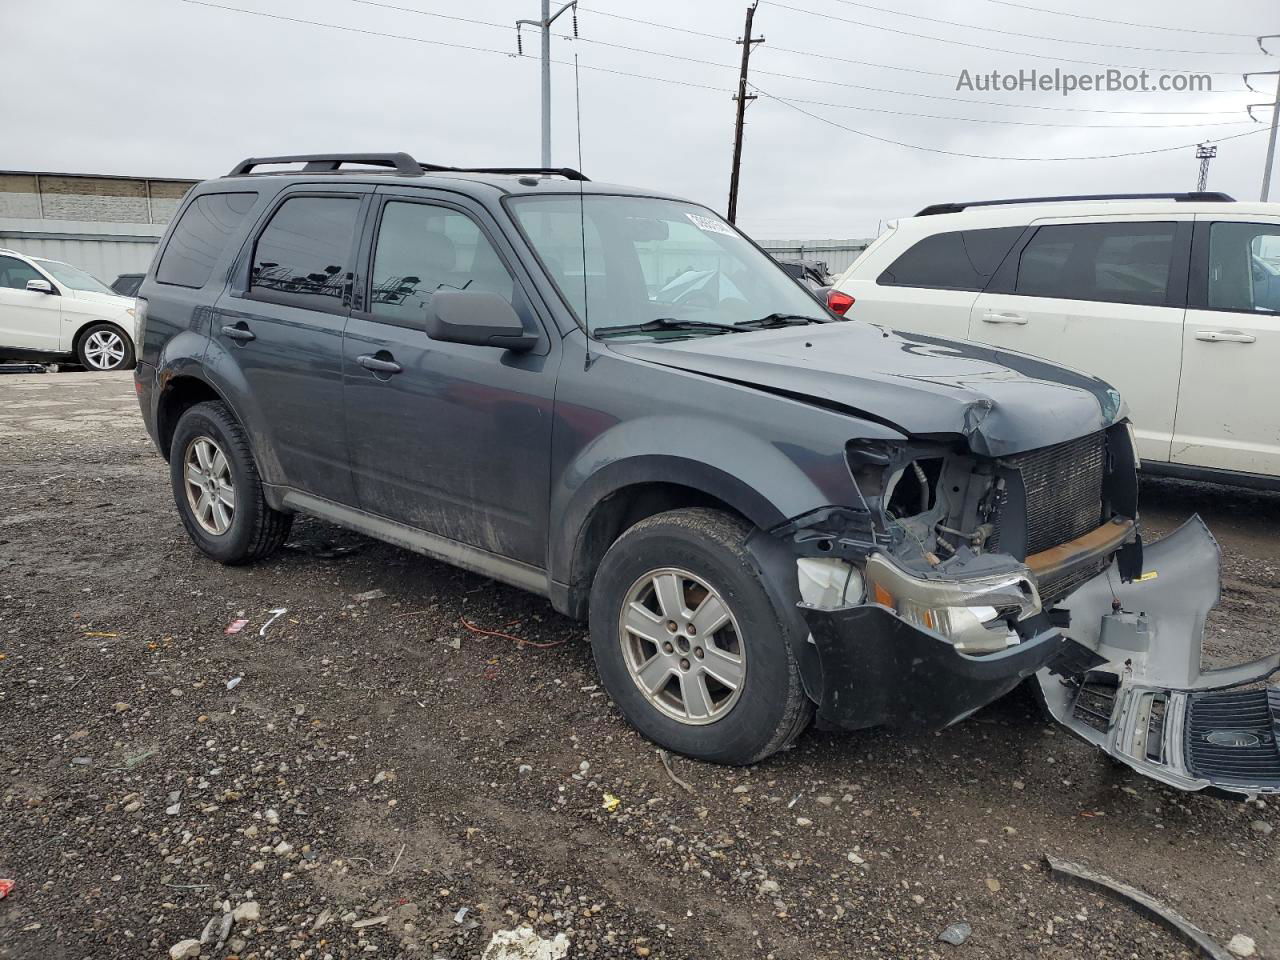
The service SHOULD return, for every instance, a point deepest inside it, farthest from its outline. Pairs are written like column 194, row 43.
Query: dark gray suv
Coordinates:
column 616, row 400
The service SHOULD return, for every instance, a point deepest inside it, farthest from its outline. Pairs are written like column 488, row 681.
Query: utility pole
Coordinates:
column 1204, row 153
column 1275, row 115
column 544, row 25
column 747, row 41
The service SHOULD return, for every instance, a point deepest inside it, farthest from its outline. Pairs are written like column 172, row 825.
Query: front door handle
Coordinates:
column 378, row 365
column 239, row 331
column 1003, row 317
column 1225, row 336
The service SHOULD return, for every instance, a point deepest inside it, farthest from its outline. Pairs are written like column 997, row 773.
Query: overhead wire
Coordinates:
column 987, row 156
column 979, row 46
column 1039, row 36
column 1120, row 23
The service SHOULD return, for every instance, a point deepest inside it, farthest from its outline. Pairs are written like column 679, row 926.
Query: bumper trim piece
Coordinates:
column 1102, row 542
column 878, row 669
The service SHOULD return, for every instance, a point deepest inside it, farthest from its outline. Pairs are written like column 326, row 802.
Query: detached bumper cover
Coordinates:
column 1151, row 705
column 878, row 669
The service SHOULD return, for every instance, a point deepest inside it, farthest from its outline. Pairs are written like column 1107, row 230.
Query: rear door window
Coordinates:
column 1107, row 262
column 15, row 273
column 304, row 256
column 201, row 236
column 957, row 260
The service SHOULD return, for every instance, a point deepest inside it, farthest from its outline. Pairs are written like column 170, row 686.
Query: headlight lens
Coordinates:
column 972, row 612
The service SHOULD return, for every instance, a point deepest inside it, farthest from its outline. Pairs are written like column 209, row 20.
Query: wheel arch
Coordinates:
column 622, row 494
column 179, row 392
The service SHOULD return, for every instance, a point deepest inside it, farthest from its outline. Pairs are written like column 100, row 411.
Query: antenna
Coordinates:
column 582, row 216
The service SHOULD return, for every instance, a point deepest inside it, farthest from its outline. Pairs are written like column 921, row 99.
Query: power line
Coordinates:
column 723, row 66
column 1121, row 23
column 979, row 46
column 1040, row 36
column 442, row 43
column 726, row 90
column 981, row 156
column 1023, row 123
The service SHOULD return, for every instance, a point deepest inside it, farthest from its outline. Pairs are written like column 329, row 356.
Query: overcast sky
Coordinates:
column 169, row 88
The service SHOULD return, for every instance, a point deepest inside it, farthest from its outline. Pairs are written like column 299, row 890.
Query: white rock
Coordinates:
column 247, row 912
column 768, row 886
column 283, row 848
column 185, row 949
column 271, row 817
column 1241, row 945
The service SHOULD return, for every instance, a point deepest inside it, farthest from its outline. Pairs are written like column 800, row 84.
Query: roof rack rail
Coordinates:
column 567, row 172
column 402, row 163
column 1193, row 197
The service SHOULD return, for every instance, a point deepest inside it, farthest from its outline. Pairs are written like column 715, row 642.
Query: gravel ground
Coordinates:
column 371, row 776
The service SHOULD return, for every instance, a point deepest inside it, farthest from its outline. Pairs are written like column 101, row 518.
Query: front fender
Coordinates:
column 754, row 477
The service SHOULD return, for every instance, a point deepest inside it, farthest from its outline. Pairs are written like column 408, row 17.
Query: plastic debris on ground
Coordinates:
column 234, row 682
column 5, row 886
column 276, row 614
column 523, row 943
column 235, row 626
column 368, row 595
column 611, row 803
column 956, row 934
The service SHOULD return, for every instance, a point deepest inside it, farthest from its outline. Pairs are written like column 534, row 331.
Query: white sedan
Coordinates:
column 50, row 311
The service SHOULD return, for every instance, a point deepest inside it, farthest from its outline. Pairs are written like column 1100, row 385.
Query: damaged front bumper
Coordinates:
column 1148, row 703
column 1124, row 675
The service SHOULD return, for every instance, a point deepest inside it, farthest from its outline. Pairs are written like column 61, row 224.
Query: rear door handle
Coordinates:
column 1003, row 317
column 378, row 365
column 239, row 332
column 1225, row 336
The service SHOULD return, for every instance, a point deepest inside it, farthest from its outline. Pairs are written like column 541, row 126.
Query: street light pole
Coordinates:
column 544, row 25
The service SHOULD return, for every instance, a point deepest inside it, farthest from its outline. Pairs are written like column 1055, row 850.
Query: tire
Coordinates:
column 695, row 555
column 233, row 524
column 105, row 346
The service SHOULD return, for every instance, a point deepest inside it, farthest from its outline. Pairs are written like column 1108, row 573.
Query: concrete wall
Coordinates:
column 104, row 225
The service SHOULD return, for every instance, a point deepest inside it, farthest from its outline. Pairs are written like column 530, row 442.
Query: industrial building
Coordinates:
column 103, row 224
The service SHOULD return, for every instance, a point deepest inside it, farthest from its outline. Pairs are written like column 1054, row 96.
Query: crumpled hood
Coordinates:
column 1002, row 402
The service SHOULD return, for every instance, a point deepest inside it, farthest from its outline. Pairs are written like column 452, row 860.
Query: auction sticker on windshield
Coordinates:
column 709, row 224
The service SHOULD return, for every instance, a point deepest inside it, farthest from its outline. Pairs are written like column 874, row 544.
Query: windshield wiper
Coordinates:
column 781, row 320
column 667, row 323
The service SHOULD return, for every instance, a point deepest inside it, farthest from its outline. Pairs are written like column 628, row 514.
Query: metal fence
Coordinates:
column 836, row 254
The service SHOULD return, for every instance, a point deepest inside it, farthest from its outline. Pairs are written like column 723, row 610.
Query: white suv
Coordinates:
column 1172, row 298
column 50, row 310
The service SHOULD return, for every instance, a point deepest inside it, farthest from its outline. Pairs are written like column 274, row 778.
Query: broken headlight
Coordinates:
column 974, row 613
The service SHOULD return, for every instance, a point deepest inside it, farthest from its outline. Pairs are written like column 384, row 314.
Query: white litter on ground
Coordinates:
column 523, row 943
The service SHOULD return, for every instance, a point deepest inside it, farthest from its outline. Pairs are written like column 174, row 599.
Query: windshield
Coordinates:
column 626, row 261
column 74, row 277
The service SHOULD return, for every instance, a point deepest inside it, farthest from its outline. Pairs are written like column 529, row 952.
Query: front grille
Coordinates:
column 1231, row 737
column 1063, row 486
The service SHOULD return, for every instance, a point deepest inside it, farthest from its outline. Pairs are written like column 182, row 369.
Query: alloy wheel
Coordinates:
column 104, row 349
column 210, row 489
column 682, row 646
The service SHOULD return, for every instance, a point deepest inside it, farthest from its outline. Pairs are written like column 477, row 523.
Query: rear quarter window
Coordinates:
column 956, row 260
column 201, row 236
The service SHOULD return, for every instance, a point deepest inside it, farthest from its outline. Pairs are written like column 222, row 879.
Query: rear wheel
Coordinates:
column 689, row 643
column 217, row 488
column 104, row 347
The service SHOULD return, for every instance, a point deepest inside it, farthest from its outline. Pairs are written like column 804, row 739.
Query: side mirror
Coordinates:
column 478, row 318
column 40, row 286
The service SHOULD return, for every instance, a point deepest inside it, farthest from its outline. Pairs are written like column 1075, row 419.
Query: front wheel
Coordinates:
column 688, row 641
column 104, row 347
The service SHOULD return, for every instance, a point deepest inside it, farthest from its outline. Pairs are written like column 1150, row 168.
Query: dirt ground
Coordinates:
column 371, row 776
